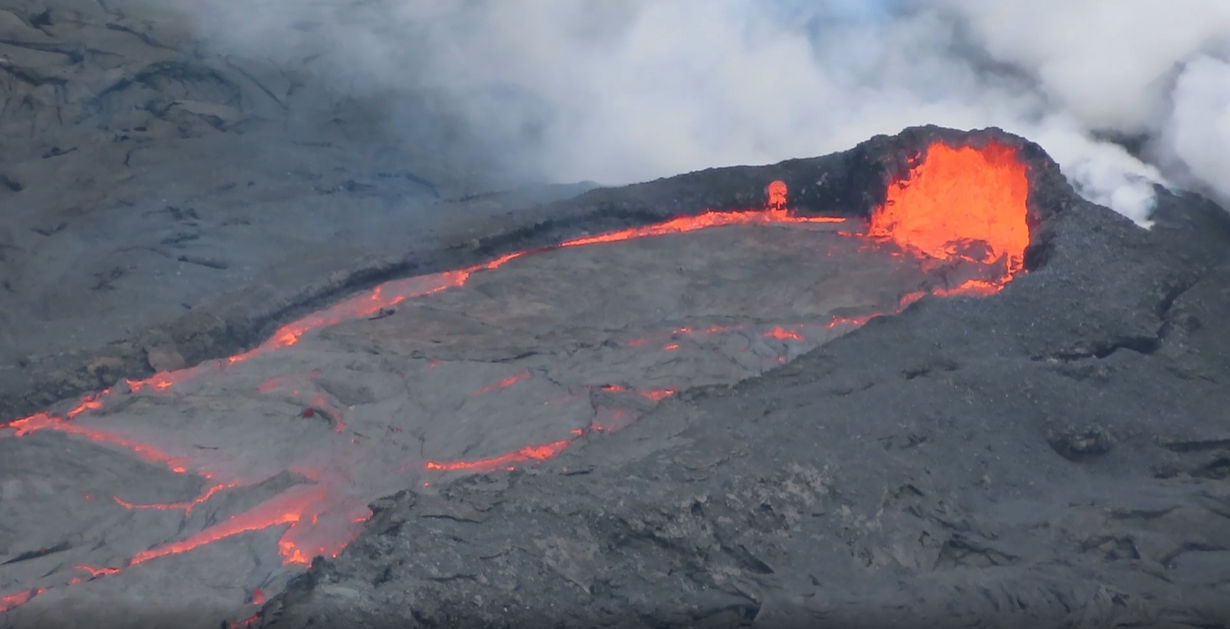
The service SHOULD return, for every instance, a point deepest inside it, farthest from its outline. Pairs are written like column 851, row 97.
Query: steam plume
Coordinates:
column 627, row 90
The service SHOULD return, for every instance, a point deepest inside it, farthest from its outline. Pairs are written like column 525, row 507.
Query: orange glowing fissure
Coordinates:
column 783, row 335
column 44, row 421
column 959, row 204
column 529, row 453
column 288, row 507
column 186, row 507
column 13, row 601
column 505, row 383
column 656, row 396
column 97, row 572
column 246, row 622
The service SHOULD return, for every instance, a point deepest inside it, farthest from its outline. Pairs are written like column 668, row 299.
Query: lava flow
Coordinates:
column 186, row 507
column 289, row 507
column 529, row 453
column 956, row 202
column 505, row 383
column 959, row 205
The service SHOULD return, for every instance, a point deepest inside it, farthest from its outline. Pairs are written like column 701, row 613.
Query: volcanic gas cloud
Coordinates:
column 962, row 209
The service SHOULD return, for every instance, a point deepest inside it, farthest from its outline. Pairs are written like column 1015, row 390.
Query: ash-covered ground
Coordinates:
column 673, row 429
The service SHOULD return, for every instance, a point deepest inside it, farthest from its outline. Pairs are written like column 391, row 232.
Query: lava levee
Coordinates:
column 957, row 205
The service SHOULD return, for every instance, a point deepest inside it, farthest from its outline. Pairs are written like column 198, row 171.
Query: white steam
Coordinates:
column 1197, row 133
column 628, row 90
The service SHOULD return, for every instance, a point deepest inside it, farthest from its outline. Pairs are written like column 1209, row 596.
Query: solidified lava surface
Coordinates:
column 197, row 493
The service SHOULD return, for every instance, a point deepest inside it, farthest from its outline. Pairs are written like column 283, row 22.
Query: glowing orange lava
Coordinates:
column 163, row 380
column 707, row 220
column 529, row 453
column 288, row 507
column 186, row 507
column 505, row 383
column 783, row 335
column 716, row 329
column 13, row 601
column 88, row 403
column 961, row 203
column 658, row 396
column 910, row 298
column 775, row 194
column 840, row 321
column 43, row 421
column 97, row 572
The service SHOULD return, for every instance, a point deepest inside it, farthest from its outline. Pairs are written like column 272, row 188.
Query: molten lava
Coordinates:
column 658, row 396
column 246, row 622
column 783, row 335
column 289, row 507
column 959, row 204
column 529, row 453
column 707, row 220
column 504, row 384
column 44, row 421
column 97, row 572
column 186, row 507
column 956, row 202
column 775, row 196
column 16, row 600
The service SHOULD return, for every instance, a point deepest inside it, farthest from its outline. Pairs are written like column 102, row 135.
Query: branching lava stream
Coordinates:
column 958, row 206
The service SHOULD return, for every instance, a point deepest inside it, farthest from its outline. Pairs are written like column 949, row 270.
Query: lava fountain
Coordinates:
column 480, row 369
